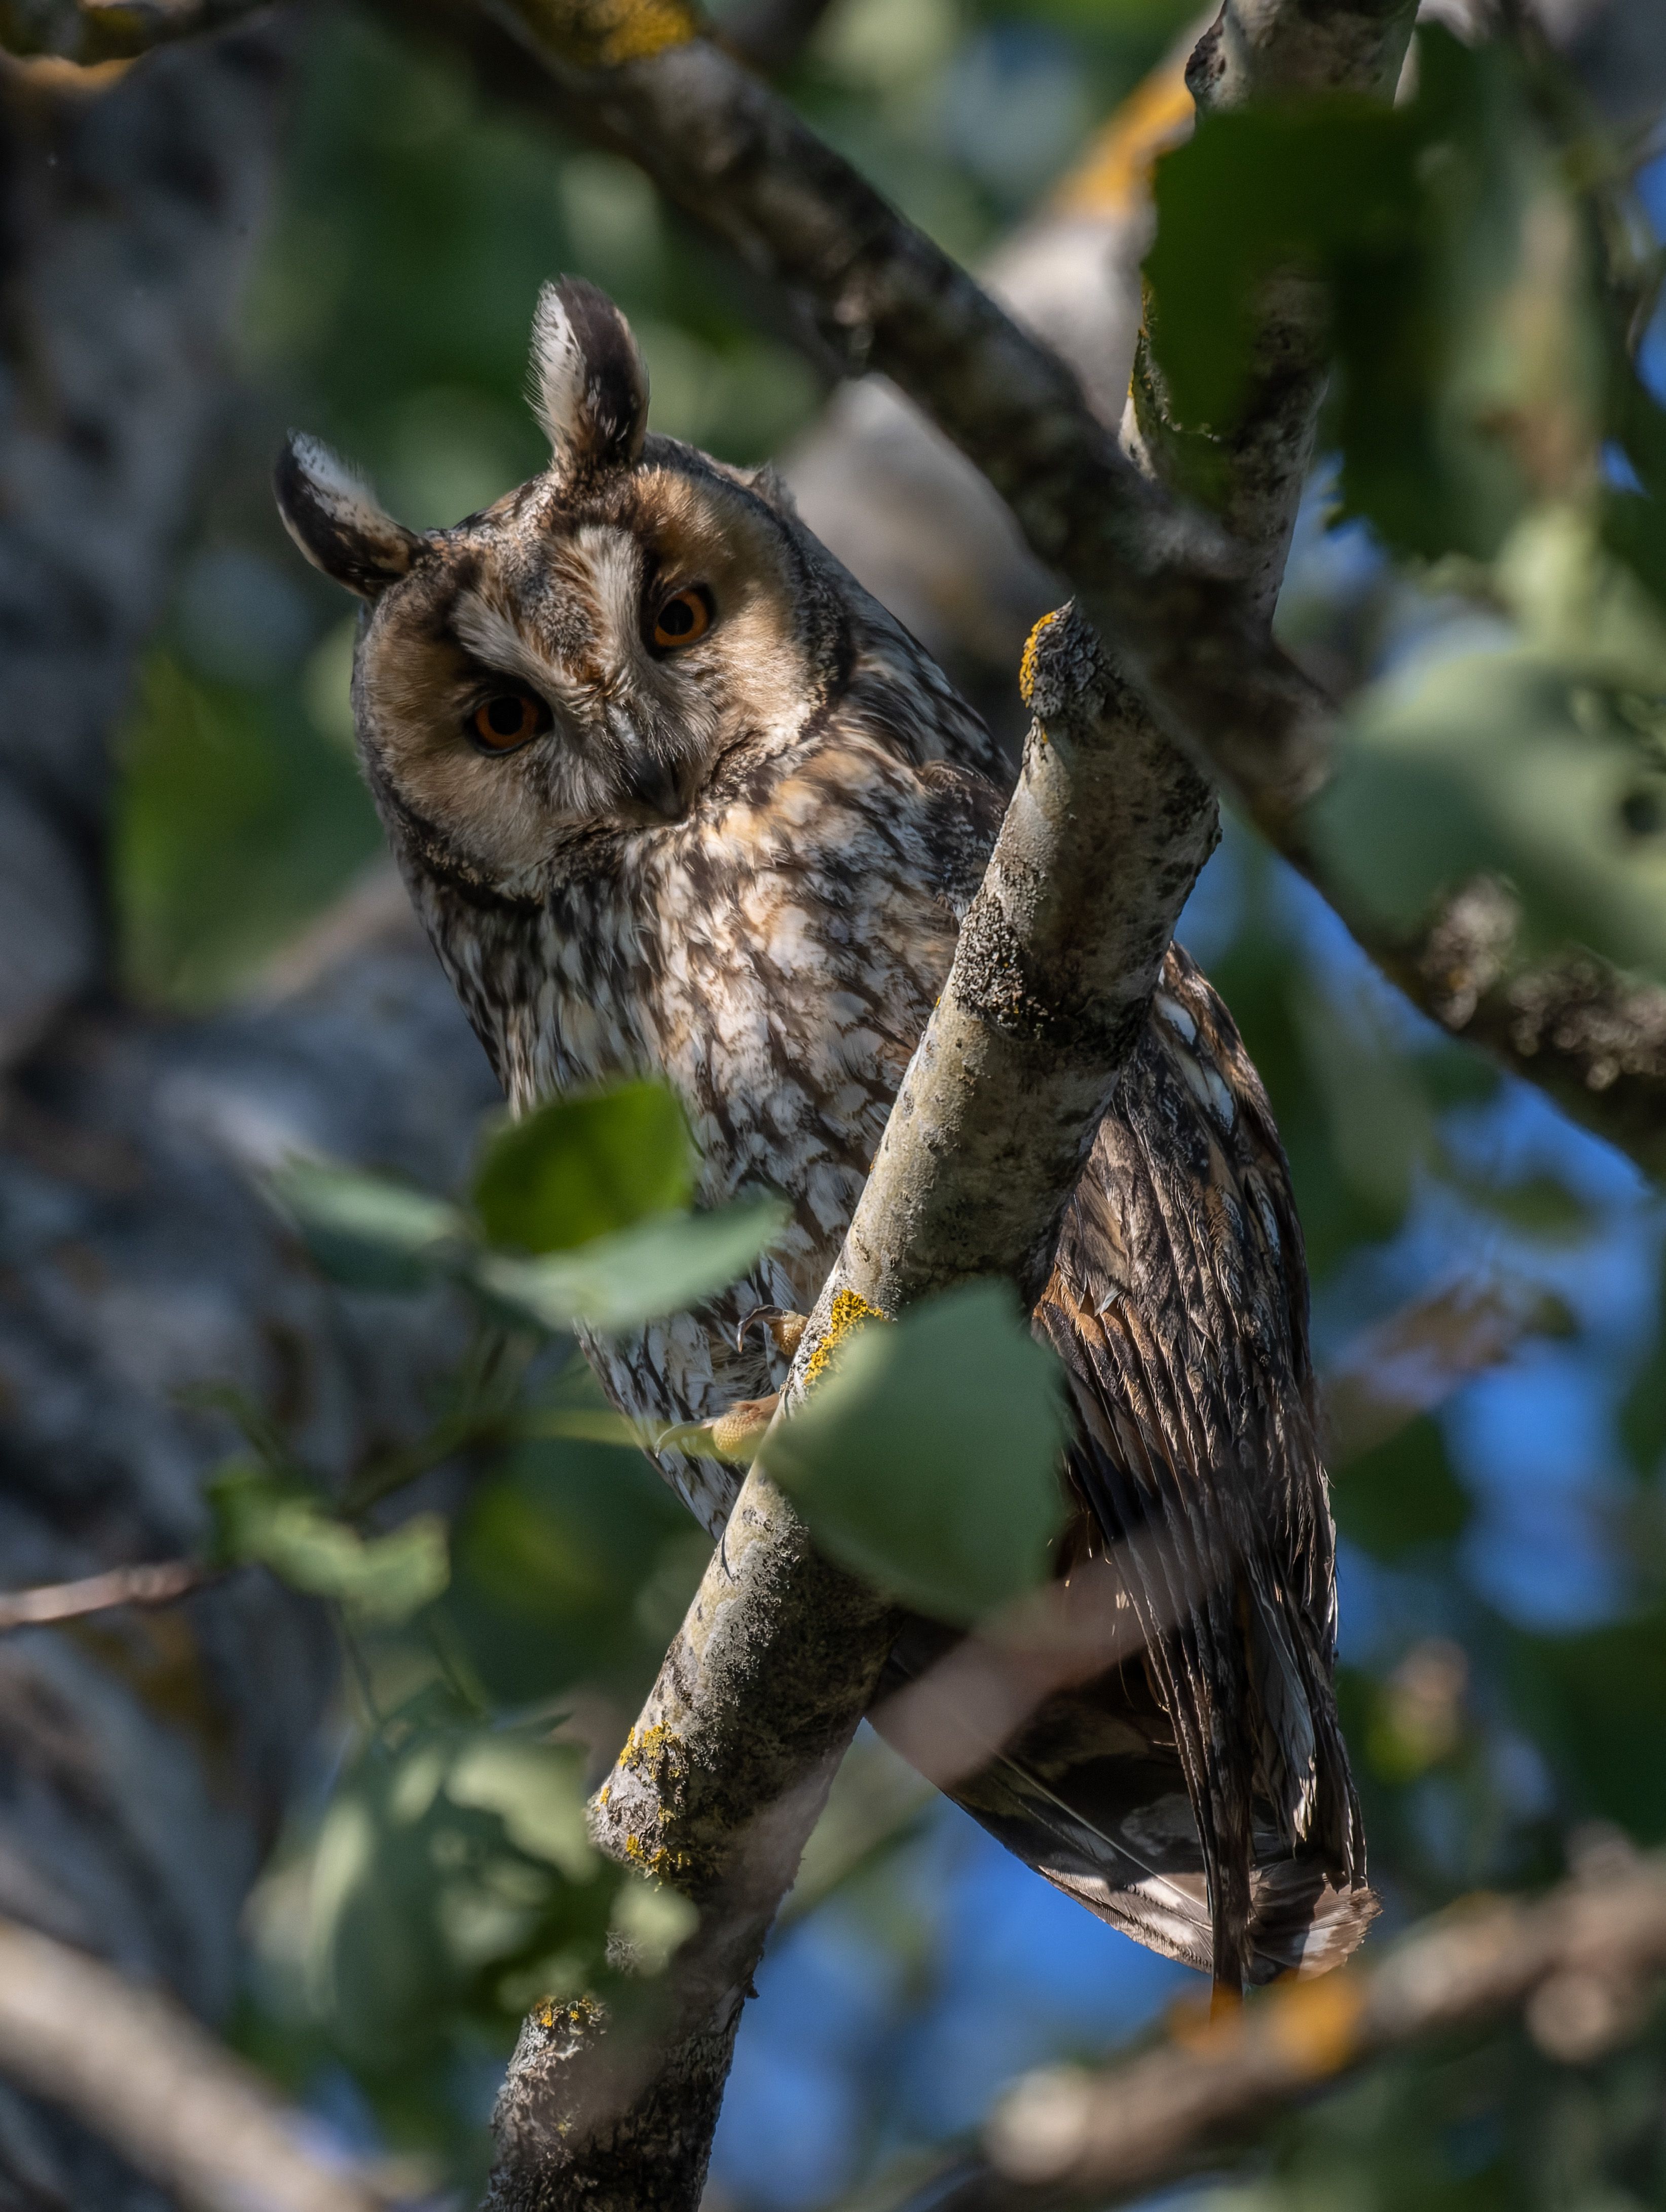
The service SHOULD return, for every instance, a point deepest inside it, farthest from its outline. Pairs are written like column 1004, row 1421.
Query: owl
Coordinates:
column 673, row 795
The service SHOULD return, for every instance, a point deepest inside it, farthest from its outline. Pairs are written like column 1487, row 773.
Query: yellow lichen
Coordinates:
column 850, row 1311
column 664, row 1864
column 607, row 33
column 1032, row 646
column 575, row 2012
column 652, row 1748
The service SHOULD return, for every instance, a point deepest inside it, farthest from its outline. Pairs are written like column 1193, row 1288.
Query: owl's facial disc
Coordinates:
column 580, row 657
column 576, row 661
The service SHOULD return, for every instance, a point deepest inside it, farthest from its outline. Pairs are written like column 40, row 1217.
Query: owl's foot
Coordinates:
column 785, row 1329
column 737, row 1434
column 734, row 1436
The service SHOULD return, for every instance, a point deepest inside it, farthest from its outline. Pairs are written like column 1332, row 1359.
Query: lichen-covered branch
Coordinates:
column 1581, row 1966
column 88, row 32
column 132, row 2065
column 1045, row 1000
column 724, row 1775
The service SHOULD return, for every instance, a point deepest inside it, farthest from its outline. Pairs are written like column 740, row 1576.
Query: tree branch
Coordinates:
column 1160, row 580
column 1259, row 51
column 135, row 2068
column 1580, row 1966
column 88, row 32
column 161, row 1584
column 915, row 523
column 725, row 1771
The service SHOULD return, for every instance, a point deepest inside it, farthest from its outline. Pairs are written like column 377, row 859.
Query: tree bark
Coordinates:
column 147, row 1757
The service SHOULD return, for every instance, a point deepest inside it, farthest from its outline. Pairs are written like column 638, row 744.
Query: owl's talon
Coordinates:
column 786, row 1329
column 737, row 1434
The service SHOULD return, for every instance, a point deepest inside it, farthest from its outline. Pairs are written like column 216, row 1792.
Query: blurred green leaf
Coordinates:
column 1634, row 522
column 928, row 1462
column 1471, row 370
column 665, row 1263
column 1642, row 1410
column 365, row 1231
column 581, row 1167
column 1510, row 763
column 453, row 1876
column 1401, row 1495
column 260, row 1517
column 573, row 1564
column 235, row 821
column 1596, row 1703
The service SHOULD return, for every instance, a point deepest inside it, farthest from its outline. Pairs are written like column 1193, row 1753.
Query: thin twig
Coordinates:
column 89, row 32
column 160, row 1584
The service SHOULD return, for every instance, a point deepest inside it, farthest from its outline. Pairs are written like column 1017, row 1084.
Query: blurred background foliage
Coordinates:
column 1475, row 565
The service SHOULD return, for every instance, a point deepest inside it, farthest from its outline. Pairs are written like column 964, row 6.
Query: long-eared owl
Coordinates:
column 672, row 793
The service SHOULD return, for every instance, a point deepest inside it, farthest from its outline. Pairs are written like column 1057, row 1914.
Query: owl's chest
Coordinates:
column 784, row 1012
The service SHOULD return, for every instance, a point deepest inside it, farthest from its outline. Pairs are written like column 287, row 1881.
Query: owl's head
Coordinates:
column 579, row 657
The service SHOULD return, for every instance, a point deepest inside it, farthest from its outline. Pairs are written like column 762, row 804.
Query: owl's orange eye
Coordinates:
column 507, row 720
column 685, row 616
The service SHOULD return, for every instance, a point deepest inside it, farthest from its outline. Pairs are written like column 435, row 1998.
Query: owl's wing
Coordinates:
column 1178, row 1304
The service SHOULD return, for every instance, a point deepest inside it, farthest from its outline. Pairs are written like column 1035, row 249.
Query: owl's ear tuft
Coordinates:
column 335, row 518
column 773, row 488
column 589, row 381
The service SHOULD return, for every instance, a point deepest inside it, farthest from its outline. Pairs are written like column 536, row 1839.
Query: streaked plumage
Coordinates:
column 740, row 861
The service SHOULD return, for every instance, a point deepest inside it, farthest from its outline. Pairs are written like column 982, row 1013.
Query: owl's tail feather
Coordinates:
column 1093, row 1796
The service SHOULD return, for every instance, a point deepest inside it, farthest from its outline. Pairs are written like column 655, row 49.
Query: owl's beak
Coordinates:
column 654, row 784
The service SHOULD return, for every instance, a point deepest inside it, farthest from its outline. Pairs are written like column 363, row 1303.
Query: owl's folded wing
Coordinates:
column 1178, row 1306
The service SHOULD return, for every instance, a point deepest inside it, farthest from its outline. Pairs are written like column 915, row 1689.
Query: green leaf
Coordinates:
column 1510, row 763
column 1454, row 262
column 235, row 822
column 1595, row 1702
column 618, row 1282
column 1401, row 1495
column 581, row 1168
column 573, row 1564
column 453, row 1876
column 366, row 1233
column 262, row 1518
column 928, row 1460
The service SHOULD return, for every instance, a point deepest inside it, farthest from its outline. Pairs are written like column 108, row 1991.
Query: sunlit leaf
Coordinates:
column 365, row 1231
column 617, row 1282
column 261, row 1518
column 928, row 1461
column 581, row 1167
